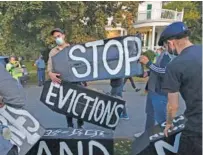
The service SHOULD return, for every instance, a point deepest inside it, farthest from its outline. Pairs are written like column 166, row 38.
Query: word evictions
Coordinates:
column 100, row 111
column 123, row 60
column 65, row 149
column 20, row 132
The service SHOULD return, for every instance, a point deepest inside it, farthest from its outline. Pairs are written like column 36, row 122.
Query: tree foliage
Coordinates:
column 192, row 16
column 25, row 26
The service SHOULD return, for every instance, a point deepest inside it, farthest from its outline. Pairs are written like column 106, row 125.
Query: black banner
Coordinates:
column 101, row 59
column 74, row 142
column 154, row 142
column 83, row 103
column 25, row 130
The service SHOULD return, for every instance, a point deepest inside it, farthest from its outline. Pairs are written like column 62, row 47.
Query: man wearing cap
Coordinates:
column 184, row 75
column 59, row 36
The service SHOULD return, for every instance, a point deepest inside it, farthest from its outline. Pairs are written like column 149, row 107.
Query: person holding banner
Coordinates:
column 156, row 98
column 59, row 36
column 13, row 96
column 184, row 75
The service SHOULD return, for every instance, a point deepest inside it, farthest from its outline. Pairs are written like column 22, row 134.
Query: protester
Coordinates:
column 13, row 96
column 156, row 98
column 158, row 53
column 132, row 84
column 59, row 36
column 15, row 69
column 40, row 64
column 184, row 75
column 116, row 90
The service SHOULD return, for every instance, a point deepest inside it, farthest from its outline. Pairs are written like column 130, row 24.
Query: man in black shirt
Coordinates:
column 184, row 75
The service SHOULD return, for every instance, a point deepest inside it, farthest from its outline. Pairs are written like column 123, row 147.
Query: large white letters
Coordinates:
column 73, row 57
column 120, row 61
column 51, row 94
column 128, row 60
column 94, row 45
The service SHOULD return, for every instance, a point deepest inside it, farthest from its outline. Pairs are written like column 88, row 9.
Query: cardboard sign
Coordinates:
column 74, row 142
column 25, row 129
column 154, row 142
column 82, row 103
column 99, row 60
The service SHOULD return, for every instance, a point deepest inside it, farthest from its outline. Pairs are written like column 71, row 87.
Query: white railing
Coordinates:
column 159, row 14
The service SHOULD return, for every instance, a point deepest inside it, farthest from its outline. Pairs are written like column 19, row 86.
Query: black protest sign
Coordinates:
column 101, row 59
column 74, row 142
column 154, row 142
column 25, row 129
column 82, row 103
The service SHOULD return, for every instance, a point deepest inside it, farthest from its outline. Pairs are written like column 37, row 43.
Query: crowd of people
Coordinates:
column 176, row 69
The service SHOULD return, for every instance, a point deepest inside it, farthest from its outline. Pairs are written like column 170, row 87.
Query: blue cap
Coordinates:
column 174, row 30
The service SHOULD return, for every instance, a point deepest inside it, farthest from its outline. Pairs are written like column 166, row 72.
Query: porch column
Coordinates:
column 153, row 37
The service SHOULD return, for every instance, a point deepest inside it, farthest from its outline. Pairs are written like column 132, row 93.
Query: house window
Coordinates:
column 149, row 10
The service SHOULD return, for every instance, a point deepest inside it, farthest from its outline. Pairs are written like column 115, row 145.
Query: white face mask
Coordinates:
column 59, row 41
column 172, row 56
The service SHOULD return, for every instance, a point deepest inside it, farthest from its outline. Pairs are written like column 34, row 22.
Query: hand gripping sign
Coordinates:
column 82, row 103
column 25, row 130
column 154, row 142
column 101, row 59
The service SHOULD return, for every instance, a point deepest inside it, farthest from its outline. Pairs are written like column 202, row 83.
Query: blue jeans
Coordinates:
column 117, row 91
column 41, row 75
column 155, row 109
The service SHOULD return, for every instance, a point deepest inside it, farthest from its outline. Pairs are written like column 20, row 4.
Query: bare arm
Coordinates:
column 172, row 108
column 53, row 76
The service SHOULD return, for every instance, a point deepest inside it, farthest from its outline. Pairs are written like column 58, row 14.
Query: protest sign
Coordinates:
column 74, row 142
column 154, row 142
column 25, row 129
column 99, row 60
column 82, row 103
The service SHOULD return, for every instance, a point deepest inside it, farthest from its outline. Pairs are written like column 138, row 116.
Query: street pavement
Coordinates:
column 125, row 129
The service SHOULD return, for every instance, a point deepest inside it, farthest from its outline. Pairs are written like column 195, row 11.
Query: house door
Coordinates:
column 149, row 11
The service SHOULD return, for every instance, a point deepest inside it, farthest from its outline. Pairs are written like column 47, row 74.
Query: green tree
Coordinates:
column 25, row 26
column 192, row 16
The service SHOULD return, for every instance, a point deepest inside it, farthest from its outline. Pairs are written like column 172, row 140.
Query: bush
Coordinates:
column 150, row 54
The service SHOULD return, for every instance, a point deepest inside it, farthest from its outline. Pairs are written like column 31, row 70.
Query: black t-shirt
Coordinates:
column 184, row 75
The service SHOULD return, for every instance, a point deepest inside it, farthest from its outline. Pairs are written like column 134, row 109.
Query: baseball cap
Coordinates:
column 174, row 30
column 57, row 30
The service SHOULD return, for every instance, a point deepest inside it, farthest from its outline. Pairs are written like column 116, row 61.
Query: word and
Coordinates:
column 63, row 148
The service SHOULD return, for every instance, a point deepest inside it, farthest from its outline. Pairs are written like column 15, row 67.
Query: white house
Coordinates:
column 114, row 31
column 151, row 20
